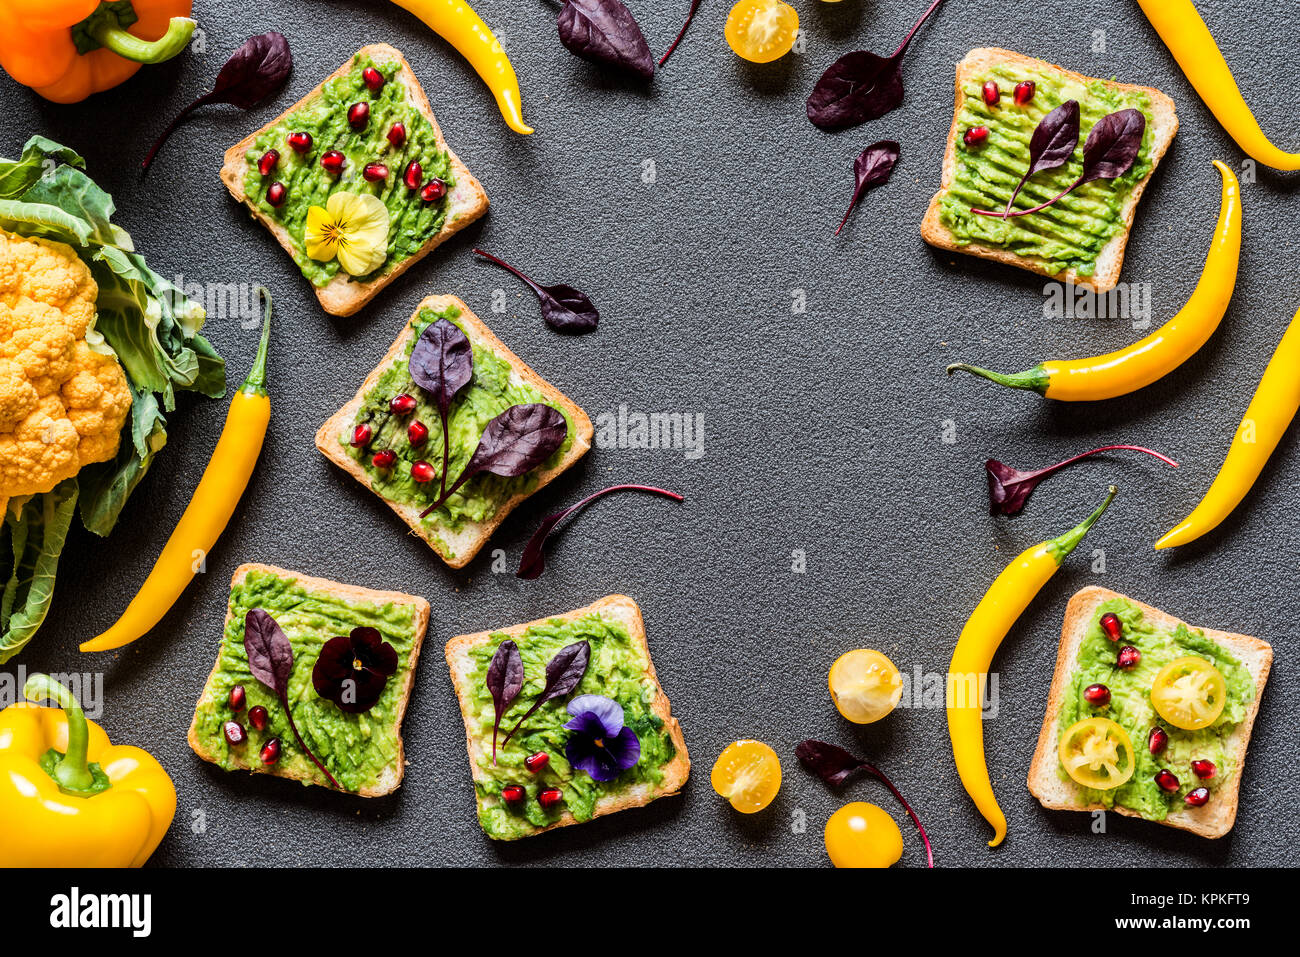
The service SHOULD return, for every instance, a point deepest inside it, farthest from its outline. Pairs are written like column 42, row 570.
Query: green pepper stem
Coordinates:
column 255, row 384
column 107, row 33
column 71, row 771
column 1062, row 545
column 1035, row 378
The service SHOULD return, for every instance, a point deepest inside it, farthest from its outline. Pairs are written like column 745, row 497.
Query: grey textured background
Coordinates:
column 823, row 429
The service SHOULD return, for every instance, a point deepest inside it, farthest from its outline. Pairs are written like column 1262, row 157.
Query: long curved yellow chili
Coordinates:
column 457, row 23
column 1006, row 599
column 209, row 511
column 1190, row 41
column 1277, row 398
column 1129, row 369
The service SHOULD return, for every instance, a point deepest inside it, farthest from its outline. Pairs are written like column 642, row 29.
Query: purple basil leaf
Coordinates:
column 564, row 308
column 604, row 31
column 1113, row 145
column 505, row 678
column 270, row 656
column 563, row 673
column 872, row 168
column 1053, row 143
column 442, row 362
column 1010, row 488
column 832, row 764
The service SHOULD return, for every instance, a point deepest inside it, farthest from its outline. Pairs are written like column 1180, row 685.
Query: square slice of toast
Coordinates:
column 343, row 295
column 466, row 675
column 1111, row 257
column 1215, row 818
column 301, row 627
column 455, row 547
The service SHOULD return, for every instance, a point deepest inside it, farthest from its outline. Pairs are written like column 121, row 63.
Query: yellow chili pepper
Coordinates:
column 1192, row 45
column 1129, row 369
column 209, row 511
column 1276, row 401
column 457, row 23
column 69, row 798
column 1006, row 599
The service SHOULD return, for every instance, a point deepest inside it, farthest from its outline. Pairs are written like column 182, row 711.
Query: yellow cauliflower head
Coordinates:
column 62, row 404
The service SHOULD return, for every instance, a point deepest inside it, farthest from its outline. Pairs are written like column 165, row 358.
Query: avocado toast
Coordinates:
column 1088, row 657
column 1080, row 239
column 619, row 668
column 460, row 527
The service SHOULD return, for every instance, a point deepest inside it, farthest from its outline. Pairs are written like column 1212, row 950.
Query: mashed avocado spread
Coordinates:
column 617, row 670
column 1130, row 706
column 491, row 391
column 412, row 222
column 356, row 748
column 1072, row 232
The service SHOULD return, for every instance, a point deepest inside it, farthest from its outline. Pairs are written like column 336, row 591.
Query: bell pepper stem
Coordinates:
column 107, row 33
column 255, row 384
column 71, row 772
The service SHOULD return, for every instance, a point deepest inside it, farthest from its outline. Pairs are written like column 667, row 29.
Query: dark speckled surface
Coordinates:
column 824, row 430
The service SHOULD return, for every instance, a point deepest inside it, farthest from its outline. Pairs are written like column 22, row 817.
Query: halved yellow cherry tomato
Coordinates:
column 863, row 835
column 865, row 685
column 1097, row 753
column 761, row 31
column 748, row 775
column 1189, row 693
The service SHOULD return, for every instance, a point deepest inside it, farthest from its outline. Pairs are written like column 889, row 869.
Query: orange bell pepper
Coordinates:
column 66, row 50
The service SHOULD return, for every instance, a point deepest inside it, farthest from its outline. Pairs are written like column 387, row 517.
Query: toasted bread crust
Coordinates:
column 1111, row 259
column 342, row 296
column 474, row 535
column 1212, row 820
column 625, row 610
column 393, row 777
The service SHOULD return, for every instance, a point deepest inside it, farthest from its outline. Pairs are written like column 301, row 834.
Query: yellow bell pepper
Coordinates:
column 69, row 798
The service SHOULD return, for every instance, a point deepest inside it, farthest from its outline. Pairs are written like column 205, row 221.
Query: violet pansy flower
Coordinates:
column 600, row 744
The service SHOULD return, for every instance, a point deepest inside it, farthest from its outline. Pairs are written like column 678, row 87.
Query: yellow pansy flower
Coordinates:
column 352, row 227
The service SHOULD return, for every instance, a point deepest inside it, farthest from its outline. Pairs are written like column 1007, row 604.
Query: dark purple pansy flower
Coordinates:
column 600, row 744
column 352, row 670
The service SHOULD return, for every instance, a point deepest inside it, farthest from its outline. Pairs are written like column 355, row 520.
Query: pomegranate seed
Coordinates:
column 403, row 404
column 1112, row 626
column 358, row 116
column 373, row 78
column 258, row 717
column 362, row 435
column 421, row 471
column 1157, row 741
column 276, row 195
column 413, row 176
column 550, row 797
column 397, row 134
column 1198, row 797
column 271, row 751
column 433, row 191
column 235, row 734
column 1204, row 769
column 384, row 459
column 1025, row 91
column 374, row 172
column 1165, row 778
column 270, row 159
column 1128, row 657
column 512, row 794
column 975, row 136
column 991, row 93
column 535, row 762
column 333, row 161
column 1097, row 695
column 238, row 698
column 418, row 433
column 300, row 142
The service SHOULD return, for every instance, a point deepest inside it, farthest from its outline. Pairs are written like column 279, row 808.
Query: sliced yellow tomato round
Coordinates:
column 748, row 775
column 863, row 835
column 761, row 31
column 1189, row 693
column 865, row 685
column 1097, row 753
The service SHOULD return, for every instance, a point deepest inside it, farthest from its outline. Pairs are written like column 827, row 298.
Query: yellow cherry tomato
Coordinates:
column 1189, row 693
column 865, row 685
column 761, row 31
column 748, row 775
column 1097, row 753
column 863, row 835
